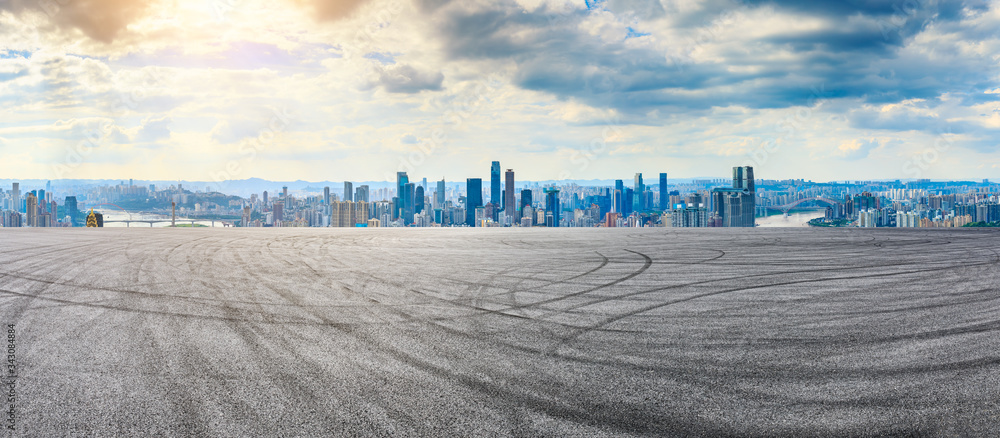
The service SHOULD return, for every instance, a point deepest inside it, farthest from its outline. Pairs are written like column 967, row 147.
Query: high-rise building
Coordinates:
column 639, row 190
column 284, row 192
column 526, row 200
column 552, row 207
column 627, row 205
column 348, row 191
column 439, row 199
column 619, row 194
column 265, row 197
column 31, row 207
column 508, row 199
column 402, row 179
column 664, row 196
column 326, row 195
column 15, row 193
column 72, row 210
column 278, row 210
column 418, row 200
column 408, row 201
column 362, row 194
column 495, row 183
column 473, row 199
column 736, row 206
column 743, row 178
column 348, row 213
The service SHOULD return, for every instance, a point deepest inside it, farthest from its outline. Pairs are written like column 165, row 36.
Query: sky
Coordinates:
column 315, row 90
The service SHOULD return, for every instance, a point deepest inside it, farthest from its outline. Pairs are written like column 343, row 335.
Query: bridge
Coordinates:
column 128, row 222
column 789, row 206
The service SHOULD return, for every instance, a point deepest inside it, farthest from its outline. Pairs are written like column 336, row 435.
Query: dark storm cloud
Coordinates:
column 859, row 53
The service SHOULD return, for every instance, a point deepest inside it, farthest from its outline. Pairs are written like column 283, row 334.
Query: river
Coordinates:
column 118, row 215
column 797, row 219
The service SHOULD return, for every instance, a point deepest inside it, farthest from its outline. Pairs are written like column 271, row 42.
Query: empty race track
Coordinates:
column 525, row 332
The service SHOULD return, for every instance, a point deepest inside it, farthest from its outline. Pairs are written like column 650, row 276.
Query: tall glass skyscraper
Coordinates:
column 362, row 194
column 409, row 203
column 495, row 183
column 473, row 199
column 664, row 196
column 736, row 206
column 552, row 207
column 639, row 190
column 525, row 199
column 418, row 199
column 440, row 194
column 401, row 180
column 348, row 191
column 72, row 210
column 619, row 194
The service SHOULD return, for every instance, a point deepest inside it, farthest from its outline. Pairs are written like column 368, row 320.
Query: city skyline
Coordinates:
column 306, row 89
column 726, row 203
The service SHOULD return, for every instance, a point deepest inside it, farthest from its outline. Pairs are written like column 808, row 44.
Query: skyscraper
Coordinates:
column 408, row 201
column 627, row 205
column 495, row 183
column 440, row 194
column 743, row 178
column 326, row 195
column 473, row 199
column 284, row 192
column 418, row 200
column 15, row 193
column 348, row 191
column 72, row 210
column 362, row 194
column 664, row 196
column 508, row 201
column 278, row 209
column 31, row 207
column 552, row 207
column 526, row 200
column 619, row 194
column 401, row 180
column 639, row 190
column 736, row 206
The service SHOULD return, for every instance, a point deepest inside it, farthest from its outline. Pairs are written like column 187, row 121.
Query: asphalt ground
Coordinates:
column 503, row 332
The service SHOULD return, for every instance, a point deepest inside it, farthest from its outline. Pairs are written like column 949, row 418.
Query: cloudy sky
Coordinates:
column 358, row 89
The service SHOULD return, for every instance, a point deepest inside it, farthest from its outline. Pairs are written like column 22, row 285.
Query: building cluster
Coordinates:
column 912, row 204
column 504, row 202
column 501, row 203
column 35, row 208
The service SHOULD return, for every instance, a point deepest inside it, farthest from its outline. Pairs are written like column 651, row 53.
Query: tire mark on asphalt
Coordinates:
column 645, row 309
